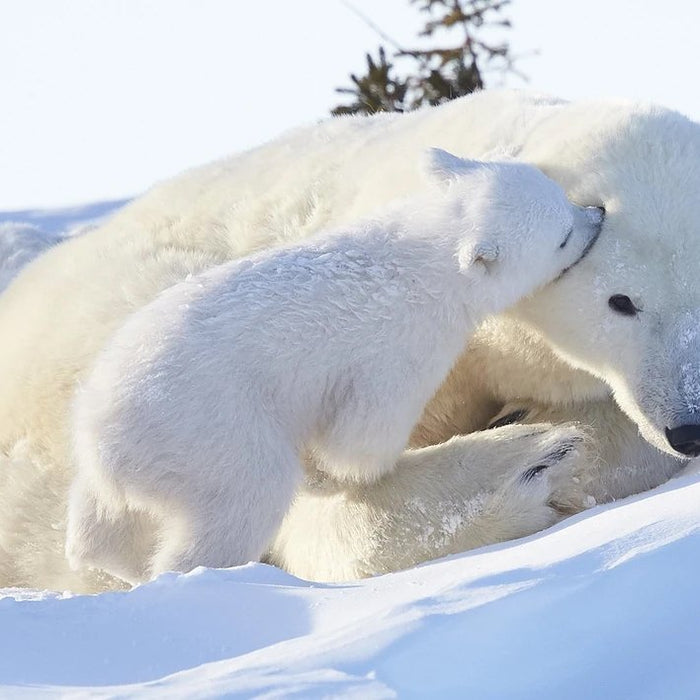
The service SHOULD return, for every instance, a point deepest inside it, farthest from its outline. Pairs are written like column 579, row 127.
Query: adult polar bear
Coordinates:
column 581, row 342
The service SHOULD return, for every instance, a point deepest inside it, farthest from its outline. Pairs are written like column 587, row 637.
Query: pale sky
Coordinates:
column 101, row 98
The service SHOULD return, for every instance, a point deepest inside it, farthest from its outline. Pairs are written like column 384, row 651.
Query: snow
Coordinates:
column 603, row 605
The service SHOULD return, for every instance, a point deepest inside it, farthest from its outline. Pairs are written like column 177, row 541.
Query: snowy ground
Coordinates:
column 602, row 606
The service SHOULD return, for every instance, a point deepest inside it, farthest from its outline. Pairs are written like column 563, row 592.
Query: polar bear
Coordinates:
column 202, row 407
column 612, row 344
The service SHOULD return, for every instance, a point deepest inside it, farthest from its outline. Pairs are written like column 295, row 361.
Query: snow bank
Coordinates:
column 604, row 605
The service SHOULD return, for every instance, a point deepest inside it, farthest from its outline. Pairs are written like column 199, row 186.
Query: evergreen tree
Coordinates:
column 437, row 74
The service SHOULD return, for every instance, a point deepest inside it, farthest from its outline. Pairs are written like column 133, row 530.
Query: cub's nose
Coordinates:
column 596, row 215
column 685, row 439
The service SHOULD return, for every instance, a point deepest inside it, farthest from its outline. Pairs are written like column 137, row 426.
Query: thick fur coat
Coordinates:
column 204, row 408
column 627, row 371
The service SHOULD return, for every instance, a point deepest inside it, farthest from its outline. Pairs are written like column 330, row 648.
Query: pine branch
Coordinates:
column 440, row 73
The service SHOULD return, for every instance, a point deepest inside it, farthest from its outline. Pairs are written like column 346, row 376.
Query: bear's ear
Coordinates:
column 443, row 166
column 483, row 253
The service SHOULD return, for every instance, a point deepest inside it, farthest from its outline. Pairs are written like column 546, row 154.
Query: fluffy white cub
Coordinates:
column 192, row 430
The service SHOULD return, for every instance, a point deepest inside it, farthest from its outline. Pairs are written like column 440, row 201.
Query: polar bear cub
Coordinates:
column 192, row 430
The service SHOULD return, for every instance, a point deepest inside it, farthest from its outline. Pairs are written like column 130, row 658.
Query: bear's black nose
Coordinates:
column 685, row 439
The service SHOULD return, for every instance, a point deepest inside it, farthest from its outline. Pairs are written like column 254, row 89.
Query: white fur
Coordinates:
column 19, row 244
column 563, row 351
column 201, row 409
column 470, row 491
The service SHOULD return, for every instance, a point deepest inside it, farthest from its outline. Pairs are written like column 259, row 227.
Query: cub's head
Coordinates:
column 513, row 224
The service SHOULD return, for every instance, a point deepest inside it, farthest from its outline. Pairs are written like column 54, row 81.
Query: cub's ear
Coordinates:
column 443, row 166
column 483, row 253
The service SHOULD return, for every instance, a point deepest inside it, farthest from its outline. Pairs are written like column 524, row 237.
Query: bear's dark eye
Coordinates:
column 622, row 304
